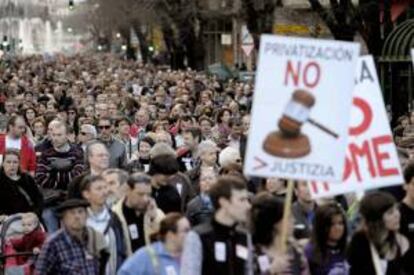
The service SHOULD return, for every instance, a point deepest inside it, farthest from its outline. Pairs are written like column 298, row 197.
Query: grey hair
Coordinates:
column 91, row 130
column 162, row 149
column 206, row 145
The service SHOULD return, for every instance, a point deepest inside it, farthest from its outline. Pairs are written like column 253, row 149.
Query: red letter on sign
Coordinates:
column 290, row 71
column 317, row 76
column 296, row 73
column 380, row 157
column 355, row 151
column 367, row 116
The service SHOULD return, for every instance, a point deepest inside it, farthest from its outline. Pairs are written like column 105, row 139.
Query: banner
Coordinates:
column 301, row 108
column 371, row 158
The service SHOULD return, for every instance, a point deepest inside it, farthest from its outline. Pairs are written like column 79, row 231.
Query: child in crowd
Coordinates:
column 33, row 237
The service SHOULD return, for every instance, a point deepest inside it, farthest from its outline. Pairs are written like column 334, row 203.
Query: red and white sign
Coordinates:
column 291, row 69
column 247, row 41
column 247, row 49
column 371, row 158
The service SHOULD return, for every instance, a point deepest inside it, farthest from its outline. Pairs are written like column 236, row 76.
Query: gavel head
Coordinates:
column 296, row 113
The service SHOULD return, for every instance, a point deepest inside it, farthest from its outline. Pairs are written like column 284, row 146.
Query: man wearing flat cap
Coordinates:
column 75, row 248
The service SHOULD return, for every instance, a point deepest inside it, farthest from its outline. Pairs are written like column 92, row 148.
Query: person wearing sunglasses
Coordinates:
column 86, row 135
column 117, row 151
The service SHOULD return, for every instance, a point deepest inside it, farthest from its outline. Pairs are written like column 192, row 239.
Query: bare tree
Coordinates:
column 344, row 20
column 110, row 16
column 182, row 23
column 259, row 17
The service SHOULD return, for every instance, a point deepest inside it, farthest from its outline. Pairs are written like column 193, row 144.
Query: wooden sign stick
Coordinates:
column 287, row 209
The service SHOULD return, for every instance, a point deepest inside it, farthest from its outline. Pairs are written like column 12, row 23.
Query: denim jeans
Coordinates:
column 50, row 219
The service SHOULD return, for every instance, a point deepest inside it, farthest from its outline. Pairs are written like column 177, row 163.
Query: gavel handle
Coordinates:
column 323, row 128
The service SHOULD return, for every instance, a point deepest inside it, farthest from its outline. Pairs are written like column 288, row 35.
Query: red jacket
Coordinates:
column 27, row 243
column 27, row 153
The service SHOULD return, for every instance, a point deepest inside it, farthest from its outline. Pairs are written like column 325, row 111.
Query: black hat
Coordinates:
column 70, row 204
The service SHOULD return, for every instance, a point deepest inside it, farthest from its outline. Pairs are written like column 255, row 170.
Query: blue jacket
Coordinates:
column 153, row 259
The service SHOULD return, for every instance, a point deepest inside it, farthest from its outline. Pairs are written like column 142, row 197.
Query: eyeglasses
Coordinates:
column 106, row 127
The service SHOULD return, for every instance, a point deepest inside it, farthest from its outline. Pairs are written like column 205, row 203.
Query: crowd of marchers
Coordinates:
column 115, row 167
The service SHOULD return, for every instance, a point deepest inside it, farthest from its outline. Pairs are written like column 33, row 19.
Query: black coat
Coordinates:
column 182, row 182
column 360, row 259
column 212, row 233
column 19, row 196
column 167, row 198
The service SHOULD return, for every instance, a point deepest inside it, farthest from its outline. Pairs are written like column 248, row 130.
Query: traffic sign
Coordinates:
column 247, row 49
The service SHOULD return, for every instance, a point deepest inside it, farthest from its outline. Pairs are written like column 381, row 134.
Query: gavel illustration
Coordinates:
column 289, row 142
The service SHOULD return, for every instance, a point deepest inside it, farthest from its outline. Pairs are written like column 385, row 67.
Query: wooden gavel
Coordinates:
column 297, row 112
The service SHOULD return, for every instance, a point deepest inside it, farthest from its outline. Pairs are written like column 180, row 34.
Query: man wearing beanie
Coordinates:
column 75, row 246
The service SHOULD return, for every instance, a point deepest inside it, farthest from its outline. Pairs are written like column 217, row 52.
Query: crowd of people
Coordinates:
column 122, row 168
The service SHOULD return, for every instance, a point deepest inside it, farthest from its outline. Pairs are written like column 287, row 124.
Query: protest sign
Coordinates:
column 371, row 158
column 301, row 108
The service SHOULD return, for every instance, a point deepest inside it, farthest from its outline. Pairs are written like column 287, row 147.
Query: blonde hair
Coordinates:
column 30, row 216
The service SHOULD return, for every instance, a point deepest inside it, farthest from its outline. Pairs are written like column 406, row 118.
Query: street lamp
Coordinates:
column 118, row 35
column 124, row 47
column 70, row 29
column 100, row 48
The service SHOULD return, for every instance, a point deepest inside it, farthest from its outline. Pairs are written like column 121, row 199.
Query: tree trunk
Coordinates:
column 259, row 17
column 387, row 20
column 194, row 46
column 130, row 53
column 143, row 44
column 175, row 51
column 339, row 18
column 370, row 15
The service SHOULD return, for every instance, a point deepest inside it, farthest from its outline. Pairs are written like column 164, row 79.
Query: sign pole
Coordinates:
column 286, row 216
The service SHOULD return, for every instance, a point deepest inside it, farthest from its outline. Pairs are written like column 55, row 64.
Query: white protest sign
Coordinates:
column 371, row 159
column 301, row 108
